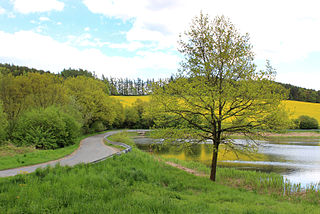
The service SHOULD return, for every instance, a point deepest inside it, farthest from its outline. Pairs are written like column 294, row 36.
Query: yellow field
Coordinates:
column 303, row 108
column 128, row 100
column 296, row 107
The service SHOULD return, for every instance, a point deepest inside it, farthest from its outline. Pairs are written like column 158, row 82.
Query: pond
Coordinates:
column 298, row 160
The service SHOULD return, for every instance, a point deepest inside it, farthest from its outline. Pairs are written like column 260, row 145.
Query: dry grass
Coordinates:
column 11, row 150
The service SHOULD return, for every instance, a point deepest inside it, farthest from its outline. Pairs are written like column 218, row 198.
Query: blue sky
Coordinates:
column 123, row 38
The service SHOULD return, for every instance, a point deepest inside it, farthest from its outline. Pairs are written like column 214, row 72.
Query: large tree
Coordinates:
column 92, row 100
column 218, row 91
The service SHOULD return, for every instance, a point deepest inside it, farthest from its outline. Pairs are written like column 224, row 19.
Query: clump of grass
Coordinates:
column 9, row 150
column 113, row 145
column 123, row 137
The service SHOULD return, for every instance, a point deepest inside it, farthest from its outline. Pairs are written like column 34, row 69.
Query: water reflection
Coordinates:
column 296, row 159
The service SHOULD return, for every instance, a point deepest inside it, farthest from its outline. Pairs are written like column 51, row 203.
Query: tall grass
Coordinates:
column 259, row 182
column 131, row 183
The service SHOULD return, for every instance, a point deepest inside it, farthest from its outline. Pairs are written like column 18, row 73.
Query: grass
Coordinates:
column 123, row 137
column 259, row 182
column 132, row 183
column 13, row 157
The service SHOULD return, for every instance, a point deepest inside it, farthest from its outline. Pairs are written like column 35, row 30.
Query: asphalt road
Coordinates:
column 91, row 149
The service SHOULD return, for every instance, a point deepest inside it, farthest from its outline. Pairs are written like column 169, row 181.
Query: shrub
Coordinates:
column 3, row 125
column 306, row 122
column 97, row 126
column 48, row 128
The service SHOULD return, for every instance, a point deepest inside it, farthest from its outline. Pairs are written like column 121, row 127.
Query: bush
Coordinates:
column 306, row 122
column 3, row 125
column 48, row 128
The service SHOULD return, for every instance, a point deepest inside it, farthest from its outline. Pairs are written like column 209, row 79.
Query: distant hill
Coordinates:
column 16, row 70
column 302, row 94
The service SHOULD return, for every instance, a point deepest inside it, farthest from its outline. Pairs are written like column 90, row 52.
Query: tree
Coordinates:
column 75, row 72
column 218, row 91
column 3, row 124
column 306, row 122
column 20, row 93
column 46, row 128
column 92, row 100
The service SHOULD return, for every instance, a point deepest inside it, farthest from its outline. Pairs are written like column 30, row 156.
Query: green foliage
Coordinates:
column 302, row 94
column 48, row 128
column 15, row 70
column 3, row 125
column 218, row 91
column 91, row 99
column 20, row 93
column 137, row 116
column 75, row 72
column 120, row 114
column 306, row 122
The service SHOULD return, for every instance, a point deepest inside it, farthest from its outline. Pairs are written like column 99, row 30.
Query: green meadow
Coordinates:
column 140, row 183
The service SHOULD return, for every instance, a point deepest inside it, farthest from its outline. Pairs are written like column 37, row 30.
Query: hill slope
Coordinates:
column 298, row 108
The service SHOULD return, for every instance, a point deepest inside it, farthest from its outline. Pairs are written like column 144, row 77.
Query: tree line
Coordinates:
column 140, row 87
column 302, row 94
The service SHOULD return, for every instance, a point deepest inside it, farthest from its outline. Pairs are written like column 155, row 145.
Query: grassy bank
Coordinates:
column 13, row 157
column 131, row 183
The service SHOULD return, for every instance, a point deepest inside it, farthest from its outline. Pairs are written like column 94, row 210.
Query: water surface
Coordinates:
column 298, row 160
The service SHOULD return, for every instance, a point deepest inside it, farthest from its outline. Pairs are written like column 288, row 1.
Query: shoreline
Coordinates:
column 293, row 134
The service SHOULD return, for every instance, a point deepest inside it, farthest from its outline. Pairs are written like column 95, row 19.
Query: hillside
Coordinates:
column 303, row 108
column 298, row 108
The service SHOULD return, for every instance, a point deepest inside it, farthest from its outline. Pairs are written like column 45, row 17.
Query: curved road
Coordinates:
column 91, row 149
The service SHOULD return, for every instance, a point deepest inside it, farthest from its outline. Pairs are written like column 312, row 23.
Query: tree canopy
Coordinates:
column 218, row 90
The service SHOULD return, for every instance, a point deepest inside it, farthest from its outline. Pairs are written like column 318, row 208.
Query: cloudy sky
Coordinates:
column 138, row 38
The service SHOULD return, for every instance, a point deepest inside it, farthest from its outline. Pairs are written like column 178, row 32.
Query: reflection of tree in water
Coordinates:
column 192, row 150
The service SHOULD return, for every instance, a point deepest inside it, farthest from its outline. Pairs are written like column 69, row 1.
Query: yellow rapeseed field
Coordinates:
column 303, row 108
column 128, row 100
column 296, row 107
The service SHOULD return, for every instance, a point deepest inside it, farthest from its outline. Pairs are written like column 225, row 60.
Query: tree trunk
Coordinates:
column 214, row 162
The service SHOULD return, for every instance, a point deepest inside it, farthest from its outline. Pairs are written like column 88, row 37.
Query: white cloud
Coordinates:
column 282, row 31
column 44, row 19
column 2, row 10
column 32, row 6
column 42, row 52
column 86, row 29
column 132, row 46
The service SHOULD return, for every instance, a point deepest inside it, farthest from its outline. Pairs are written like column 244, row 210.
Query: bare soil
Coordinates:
column 191, row 171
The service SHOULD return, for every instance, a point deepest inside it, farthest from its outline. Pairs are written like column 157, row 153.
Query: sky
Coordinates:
column 138, row 38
